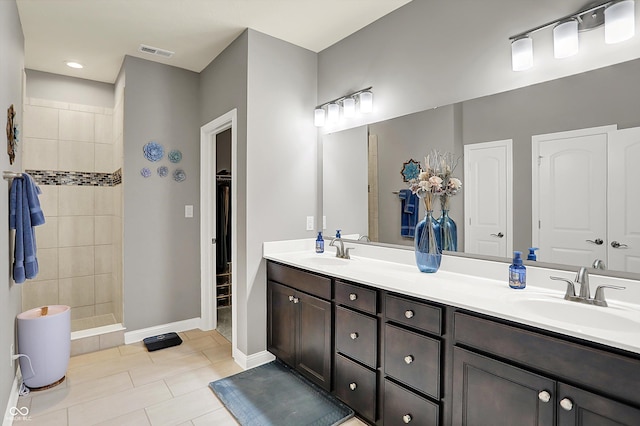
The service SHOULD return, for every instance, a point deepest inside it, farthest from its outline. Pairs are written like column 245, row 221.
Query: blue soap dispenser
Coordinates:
column 517, row 272
column 319, row 243
column 338, row 233
column 532, row 253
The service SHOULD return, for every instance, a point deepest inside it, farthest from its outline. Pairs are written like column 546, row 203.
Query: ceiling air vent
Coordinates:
column 155, row 51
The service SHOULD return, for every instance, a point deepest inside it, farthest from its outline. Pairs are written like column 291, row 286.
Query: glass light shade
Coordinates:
column 522, row 54
column 565, row 39
column 333, row 113
column 366, row 102
column 349, row 107
column 619, row 21
column 318, row 117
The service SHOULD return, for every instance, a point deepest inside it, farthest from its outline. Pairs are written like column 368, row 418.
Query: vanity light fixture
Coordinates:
column 330, row 111
column 75, row 65
column 618, row 17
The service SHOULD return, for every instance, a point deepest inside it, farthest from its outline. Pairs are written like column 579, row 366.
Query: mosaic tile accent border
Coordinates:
column 57, row 177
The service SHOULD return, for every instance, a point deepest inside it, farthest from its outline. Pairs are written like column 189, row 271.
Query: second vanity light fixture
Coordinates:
column 619, row 25
column 348, row 102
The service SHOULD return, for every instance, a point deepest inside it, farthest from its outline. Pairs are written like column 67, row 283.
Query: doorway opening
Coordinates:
column 224, row 173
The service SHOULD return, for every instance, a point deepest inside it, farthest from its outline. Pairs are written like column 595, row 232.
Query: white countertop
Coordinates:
column 480, row 286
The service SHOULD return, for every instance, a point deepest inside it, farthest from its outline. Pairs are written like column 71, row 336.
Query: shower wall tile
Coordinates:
column 76, row 156
column 104, row 129
column 76, row 261
column 103, row 158
column 76, row 201
column 103, row 259
column 111, row 340
column 39, row 293
column 47, row 234
column 40, row 122
column 104, row 308
column 47, row 264
column 76, row 126
column 49, row 200
column 85, row 345
column 103, row 288
column 40, row 154
column 103, row 229
column 104, row 200
column 76, row 292
column 82, row 312
column 75, row 231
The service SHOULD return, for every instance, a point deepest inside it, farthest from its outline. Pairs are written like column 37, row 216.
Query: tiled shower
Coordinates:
column 74, row 153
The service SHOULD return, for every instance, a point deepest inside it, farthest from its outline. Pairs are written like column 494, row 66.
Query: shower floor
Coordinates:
column 92, row 322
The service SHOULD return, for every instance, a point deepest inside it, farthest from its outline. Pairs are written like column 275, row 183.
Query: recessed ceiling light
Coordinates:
column 74, row 65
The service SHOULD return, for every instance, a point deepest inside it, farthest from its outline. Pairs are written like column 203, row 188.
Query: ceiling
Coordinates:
column 98, row 33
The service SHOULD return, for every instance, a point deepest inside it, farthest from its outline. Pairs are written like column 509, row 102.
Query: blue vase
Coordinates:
column 427, row 244
column 449, row 232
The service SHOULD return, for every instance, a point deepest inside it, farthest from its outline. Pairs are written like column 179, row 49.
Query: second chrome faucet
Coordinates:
column 341, row 252
column 582, row 278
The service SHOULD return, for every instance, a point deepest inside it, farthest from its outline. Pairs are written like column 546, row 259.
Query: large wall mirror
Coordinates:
column 364, row 164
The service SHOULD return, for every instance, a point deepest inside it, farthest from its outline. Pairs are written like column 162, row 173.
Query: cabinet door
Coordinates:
column 492, row 393
column 314, row 340
column 281, row 322
column 580, row 408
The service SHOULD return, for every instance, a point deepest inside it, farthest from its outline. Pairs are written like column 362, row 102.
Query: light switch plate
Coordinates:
column 188, row 211
column 310, row 223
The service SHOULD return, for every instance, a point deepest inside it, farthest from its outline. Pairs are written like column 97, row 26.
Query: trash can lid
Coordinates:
column 43, row 311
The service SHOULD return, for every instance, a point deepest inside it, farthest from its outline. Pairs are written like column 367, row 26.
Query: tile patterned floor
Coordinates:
column 127, row 385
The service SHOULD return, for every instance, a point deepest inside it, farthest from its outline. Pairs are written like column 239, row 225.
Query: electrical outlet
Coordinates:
column 310, row 223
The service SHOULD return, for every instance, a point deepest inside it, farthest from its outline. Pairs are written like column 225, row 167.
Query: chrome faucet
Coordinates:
column 598, row 264
column 340, row 250
column 582, row 278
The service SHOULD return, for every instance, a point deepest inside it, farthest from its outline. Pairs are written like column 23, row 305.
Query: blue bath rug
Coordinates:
column 275, row 395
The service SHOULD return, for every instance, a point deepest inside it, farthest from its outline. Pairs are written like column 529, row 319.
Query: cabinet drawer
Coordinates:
column 613, row 374
column 412, row 359
column 414, row 314
column 403, row 407
column 300, row 280
column 356, row 297
column 356, row 386
column 356, row 336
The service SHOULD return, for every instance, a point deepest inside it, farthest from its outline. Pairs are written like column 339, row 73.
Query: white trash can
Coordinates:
column 44, row 335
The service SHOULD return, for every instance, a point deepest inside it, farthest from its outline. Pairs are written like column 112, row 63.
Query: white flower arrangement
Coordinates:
column 436, row 179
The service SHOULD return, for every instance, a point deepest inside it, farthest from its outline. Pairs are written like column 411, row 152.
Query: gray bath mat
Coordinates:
column 275, row 395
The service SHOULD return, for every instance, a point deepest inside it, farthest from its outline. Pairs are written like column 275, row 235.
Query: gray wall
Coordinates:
column 400, row 139
column 161, row 246
column 44, row 85
column 281, row 161
column 11, row 80
column 596, row 98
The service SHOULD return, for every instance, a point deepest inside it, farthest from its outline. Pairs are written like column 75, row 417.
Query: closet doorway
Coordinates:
column 218, row 224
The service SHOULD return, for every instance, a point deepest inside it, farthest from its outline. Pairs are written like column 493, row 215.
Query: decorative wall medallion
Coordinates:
column 175, row 156
column 410, row 170
column 145, row 172
column 163, row 171
column 179, row 175
column 12, row 134
column 153, row 151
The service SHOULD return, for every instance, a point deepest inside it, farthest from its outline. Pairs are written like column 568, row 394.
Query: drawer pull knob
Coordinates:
column 566, row 404
column 544, row 396
column 407, row 418
column 353, row 386
column 290, row 298
column 408, row 359
column 353, row 336
column 353, row 296
column 296, row 300
column 409, row 313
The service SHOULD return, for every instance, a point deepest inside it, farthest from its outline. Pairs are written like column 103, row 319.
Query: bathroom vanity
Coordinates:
column 401, row 347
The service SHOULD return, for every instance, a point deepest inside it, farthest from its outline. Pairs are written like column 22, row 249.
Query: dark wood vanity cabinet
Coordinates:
column 299, row 325
column 508, row 375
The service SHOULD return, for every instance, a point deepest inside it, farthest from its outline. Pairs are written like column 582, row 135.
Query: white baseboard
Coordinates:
column 12, row 403
column 251, row 361
column 137, row 335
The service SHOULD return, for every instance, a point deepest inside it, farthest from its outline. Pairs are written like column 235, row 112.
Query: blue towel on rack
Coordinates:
column 409, row 213
column 24, row 214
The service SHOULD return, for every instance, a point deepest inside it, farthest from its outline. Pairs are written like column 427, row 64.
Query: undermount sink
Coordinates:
column 323, row 260
column 581, row 315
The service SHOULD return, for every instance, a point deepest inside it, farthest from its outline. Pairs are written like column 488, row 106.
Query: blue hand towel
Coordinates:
column 24, row 214
column 409, row 213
